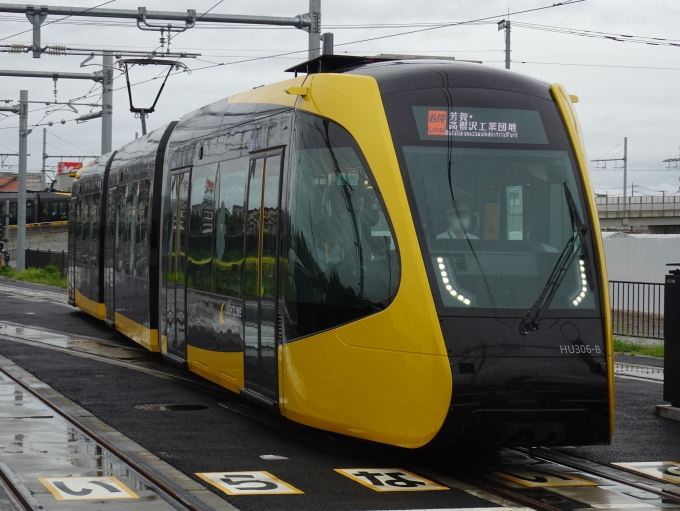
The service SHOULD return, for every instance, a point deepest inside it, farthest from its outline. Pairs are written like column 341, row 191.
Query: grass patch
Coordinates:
column 49, row 276
column 637, row 349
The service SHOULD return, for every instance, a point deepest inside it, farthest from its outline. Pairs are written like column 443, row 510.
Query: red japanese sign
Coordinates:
column 65, row 167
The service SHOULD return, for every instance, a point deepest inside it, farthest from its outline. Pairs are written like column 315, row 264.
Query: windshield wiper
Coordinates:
column 578, row 239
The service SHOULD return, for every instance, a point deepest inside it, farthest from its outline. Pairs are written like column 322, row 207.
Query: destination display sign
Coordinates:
column 494, row 125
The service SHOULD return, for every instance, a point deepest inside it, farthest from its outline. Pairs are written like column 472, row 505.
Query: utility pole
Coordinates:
column 44, row 157
column 314, row 29
column 625, row 173
column 507, row 45
column 107, row 103
column 505, row 25
column 21, row 199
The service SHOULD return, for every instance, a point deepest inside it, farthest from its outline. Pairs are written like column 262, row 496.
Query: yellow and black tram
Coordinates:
column 401, row 251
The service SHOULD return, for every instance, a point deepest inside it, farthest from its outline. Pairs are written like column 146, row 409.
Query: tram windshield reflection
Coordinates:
column 495, row 222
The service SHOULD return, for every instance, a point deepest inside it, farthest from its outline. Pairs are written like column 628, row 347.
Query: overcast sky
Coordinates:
column 625, row 89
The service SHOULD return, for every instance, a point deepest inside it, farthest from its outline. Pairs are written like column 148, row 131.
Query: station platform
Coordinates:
column 80, row 405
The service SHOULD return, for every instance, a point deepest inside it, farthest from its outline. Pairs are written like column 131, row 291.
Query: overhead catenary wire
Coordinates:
column 71, row 143
column 605, row 154
column 622, row 38
column 218, row 64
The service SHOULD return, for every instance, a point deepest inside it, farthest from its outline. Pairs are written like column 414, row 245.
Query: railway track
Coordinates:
column 13, row 496
column 480, row 478
column 166, row 487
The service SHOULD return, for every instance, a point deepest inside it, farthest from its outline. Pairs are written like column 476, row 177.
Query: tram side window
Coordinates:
column 130, row 221
column 229, row 230
column 95, row 226
column 342, row 262
column 54, row 211
column 44, row 212
column 12, row 213
column 84, row 222
column 201, row 218
column 76, row 228
column 30, row 212
column 142, row 229
column 120, row 228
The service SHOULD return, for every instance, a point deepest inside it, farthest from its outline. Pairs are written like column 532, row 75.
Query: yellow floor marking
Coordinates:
column 87, row 488
column 389, row 479
column 665, row 470
column 538, row 478
column 249, row 483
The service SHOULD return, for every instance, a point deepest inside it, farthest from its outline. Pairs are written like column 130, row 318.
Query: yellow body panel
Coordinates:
column 385, row 377
column 223, row 368
column 564, row 103
column 98, row 310
column 147, row 337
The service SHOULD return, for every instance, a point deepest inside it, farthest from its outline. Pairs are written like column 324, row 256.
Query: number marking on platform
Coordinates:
column 87, row 488
column 389, row 479
column 538, row 478
column 249, row 483
column 666, row 470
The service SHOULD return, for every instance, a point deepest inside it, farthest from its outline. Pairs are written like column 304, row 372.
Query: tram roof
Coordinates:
column 400, row 75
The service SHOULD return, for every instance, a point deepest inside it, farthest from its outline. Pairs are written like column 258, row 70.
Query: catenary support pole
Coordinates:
column 44, row 154
column 6, row 220
column 107, row 103
column 625, row 174
column 327, row 42
column 314, row 29
column 36, row 15
column 21, row 199
column 507, row 44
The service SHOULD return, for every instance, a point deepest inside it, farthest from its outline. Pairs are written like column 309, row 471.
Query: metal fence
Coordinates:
column 637, row 308
column 41, row 258
column 36, row 258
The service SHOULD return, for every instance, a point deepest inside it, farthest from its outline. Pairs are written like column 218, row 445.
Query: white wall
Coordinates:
column 640, row 259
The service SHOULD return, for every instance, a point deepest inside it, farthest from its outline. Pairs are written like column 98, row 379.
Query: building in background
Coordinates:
column 9, row 181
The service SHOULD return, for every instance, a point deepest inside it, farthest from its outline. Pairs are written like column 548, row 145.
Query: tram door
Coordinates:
column 175, row 277
column 261, row 240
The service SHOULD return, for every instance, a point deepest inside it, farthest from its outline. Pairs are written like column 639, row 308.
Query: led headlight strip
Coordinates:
column 584, row 282
column 447, row 283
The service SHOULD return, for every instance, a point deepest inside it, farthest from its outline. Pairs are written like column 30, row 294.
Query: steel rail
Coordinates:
column 14, row 493
column 298, row 21
column 163, row 483
column 495, row 488
column 555, row 457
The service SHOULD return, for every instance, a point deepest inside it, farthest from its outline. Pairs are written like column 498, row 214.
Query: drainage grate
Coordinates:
column 170, row 408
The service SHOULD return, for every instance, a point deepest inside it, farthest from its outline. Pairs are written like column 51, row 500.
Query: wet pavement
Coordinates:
column 221, row 434
column 56, row 464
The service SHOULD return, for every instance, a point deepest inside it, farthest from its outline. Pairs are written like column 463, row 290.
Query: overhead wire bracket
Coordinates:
column 36, row 15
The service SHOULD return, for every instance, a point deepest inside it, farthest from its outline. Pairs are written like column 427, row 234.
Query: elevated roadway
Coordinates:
column 660, row 214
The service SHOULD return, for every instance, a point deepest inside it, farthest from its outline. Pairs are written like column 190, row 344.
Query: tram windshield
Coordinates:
column 489, row 186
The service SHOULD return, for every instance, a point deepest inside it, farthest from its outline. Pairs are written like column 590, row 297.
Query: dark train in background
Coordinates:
column 402, row 251
column 41, row 207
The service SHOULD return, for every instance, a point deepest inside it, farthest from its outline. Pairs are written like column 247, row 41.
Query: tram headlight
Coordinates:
column 584, row 282
column 447, row 283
